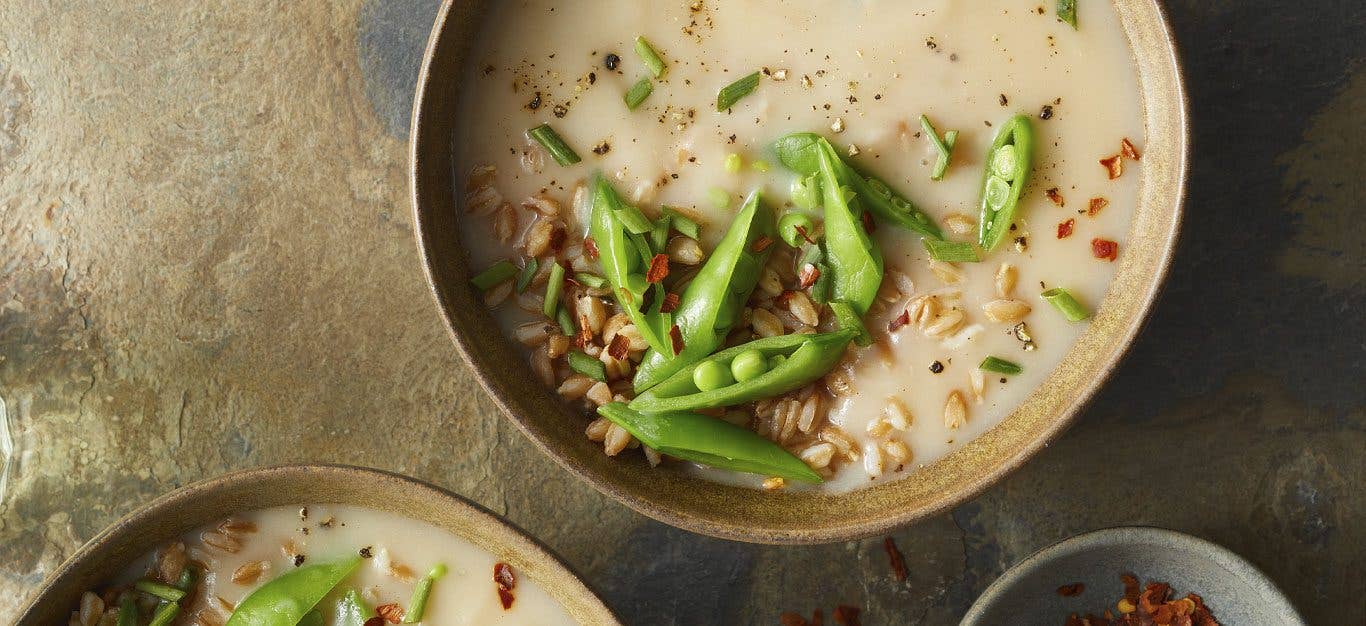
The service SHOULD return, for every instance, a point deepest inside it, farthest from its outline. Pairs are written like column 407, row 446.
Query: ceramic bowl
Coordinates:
column 797, row 517
column 1235, row 591
column 206, row 502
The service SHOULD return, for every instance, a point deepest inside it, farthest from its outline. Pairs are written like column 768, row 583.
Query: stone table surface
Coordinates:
column 206, row 263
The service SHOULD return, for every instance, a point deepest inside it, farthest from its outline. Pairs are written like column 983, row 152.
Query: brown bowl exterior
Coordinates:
column 206, row 502
column 790, row 517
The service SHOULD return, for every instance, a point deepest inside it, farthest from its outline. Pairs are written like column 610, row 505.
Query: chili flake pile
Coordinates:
column 1152, row 606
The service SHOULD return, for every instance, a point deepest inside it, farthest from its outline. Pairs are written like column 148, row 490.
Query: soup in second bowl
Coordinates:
column 799, row 241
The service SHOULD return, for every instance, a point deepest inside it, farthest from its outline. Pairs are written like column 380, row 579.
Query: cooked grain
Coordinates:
column 897, row 451
column 542, row 367
column 617, row 439
column 960, row 224
column 576, row 387
column 801, row 307
column 500, row 292
column 543, row 204
column 685, row 250
column 247, row 573
column 818, row 455
column 948, row 273
column 896, row 414
column 978, row 383
column 599, row 393
column 592, row 312
column 220, row 541
column 1006, row 276
column 945, row 323
column 872, row 459
column 557, row 345
column 774, row 483
column 532, row 334
column 766, row 324
column 597, row 429
column 544, row 236
column 769, row 283
column 1006, row 310
column 955, row 410
column 505, row 222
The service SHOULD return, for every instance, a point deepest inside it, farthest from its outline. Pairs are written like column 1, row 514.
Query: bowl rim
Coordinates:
column 552, row 574
column 1102, row 538
column 420, row 138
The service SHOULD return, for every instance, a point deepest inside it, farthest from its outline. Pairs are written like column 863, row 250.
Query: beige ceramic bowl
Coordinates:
column 203, row 503
column 792, row 517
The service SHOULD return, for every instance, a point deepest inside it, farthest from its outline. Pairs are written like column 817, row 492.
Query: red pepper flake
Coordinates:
column 1065, row 228
column 1104, row 249
column 789, row 618
column 846, row 615
column 1055, row 197
column 556, row 238
column 1072, row 590
column 783, row 297
column 1097, row 204
column 1151, row 606
column 670, row 303
column 1127, row 149
column 762, row 243
column 801, row 230
column 585, row 334
column 894, row 555
column 868, row 223
column 392, row 612
column 620, row 347
column 506, row 581
column 1114, row 165
column 809, row 275
column 901, row 320
column 659, row 268
column 590, row 248
column 374, row 621
column 676, row 339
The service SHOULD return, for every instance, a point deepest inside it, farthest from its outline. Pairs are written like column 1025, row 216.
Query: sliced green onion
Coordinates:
column 1067, row 12
column 732, row 93
column 719, row 197
column 128, row 611
column 587, row 365
column 591, row 281
column 1000, row 366
column 944, row 146
column 659, row 235
column 417, row 605
column 565, row 321
column 638, row 93
column 186, row 580
column 733, row 163
column 848, row 319
column 951, row 251
column 528, row 273
column 635, row 222
column 160, row 590
column 165, row 614
column 650, row 56
column 552, row 290
column 1003, row 162
column 1062, row 300
column 683, row 223
column 495, row 274
column 547, row 137
column 997, row 192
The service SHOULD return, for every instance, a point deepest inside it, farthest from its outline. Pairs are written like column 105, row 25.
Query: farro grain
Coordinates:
column 248, row 572
column 955, row 410
column 960, row 224
column 91, row 609
column 612, row 325
column 1006, row 311
column 222, row 542
column 872, row 459
column 769, row 283
column 685, row 250
column 592, row 312
column 801, row 307
column 878, row 427
column 948, row 273
column 599, row 393
column 495, row 296
column 597, row 429
column 774, row 483
column 903, row 282
column 896, row 414
column 652, row 456
column 897, row 451
column 505, row 223
column 1006, row 276
column 532, row 159
column 809, row 417
column 945, row 323
column 635, row 341
column 542, row 367
column 170, row 562
column 766, row 324
column 977, row 381
column 887, row 291
column 617, row 439
column 818, row 455
column 542, row 236
column 532, row 334
column 531, row 302
column 557, row 345
column 543, row 204
column 841, row 441
column 483, row 200
column 575, row 387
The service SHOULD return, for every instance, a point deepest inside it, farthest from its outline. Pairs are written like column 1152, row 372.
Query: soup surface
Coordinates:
column 860, row 73
column 242, row 554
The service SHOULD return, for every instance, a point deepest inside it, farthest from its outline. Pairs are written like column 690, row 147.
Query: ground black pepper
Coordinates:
column 1047, row 112
column 611, row 61
column 936, row 367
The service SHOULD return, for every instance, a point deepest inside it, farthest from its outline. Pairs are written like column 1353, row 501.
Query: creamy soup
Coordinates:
column 860, row 74
column 234, row 559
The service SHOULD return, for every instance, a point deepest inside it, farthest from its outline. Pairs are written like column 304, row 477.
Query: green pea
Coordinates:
column 711, row 375
column 748, row 365
column 792, row 226
column 1003, row 162
column 777, row 361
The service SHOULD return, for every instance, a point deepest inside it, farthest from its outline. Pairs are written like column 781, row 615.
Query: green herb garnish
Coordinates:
column 587, row 365
column 552, row 290
column 951, row 251
column 528, row 273
column 638, row 93
column 732, row 93
column 1000, row 366
column 650, row 56
column 1067, row 12
column 1063, row 301
column 495, row 274
column 944, row 146
column 417, row 605
column 551, row 140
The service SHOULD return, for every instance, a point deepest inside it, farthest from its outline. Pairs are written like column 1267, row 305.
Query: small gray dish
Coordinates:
column 1236, row 592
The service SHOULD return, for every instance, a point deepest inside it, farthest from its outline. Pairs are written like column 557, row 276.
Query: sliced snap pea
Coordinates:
column 709, row 441
column 353, row 610
column 807, row 358
column 682, row 223
column 800, row 152
column 855, row 260
column 285, row 600
column 849, row 319
column 714, row 300
column 622, row 261
column 1008, row 164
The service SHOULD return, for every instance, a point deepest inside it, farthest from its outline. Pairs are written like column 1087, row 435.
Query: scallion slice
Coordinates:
column 1000, row 366
column 495, row 274
column 635, row 222
column 160, row 590
column 591, row 281
column 528, row 273
column 944, row 146
column 951, row 251
column 1067, row 12
column 587, row 365
column 128, row 611
column 683, row 223
column 1062, row 300
column 552, row 290
column 848, row 319
column 638, row 93
column 417, row 605
column 551, row 140
column 650, row 56
column 732, row 93
column 659, row 235
column 165, row 614
column 565, row 321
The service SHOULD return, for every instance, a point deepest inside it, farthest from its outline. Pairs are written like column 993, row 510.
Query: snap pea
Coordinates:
column 352, row 610
column 709, row 441
column 313, row 618
column 1008, row 164
column 715, row 298
column 622, row 261
column 807, row 357
column 854, row 259
column 800, row 152
column 285, row 600
column 796, row 228
column 128, row 611
column 848, row 319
